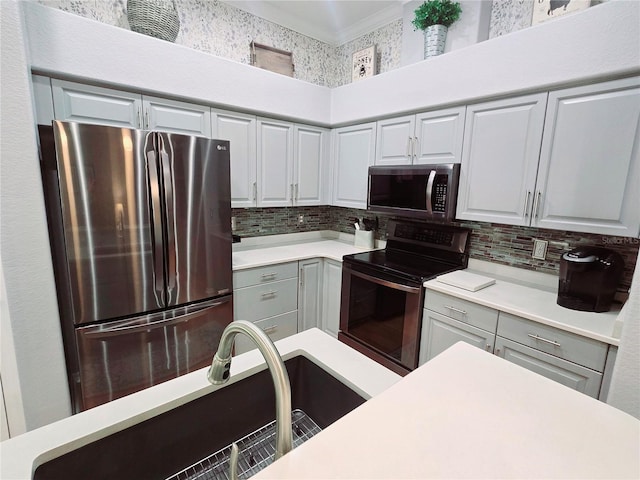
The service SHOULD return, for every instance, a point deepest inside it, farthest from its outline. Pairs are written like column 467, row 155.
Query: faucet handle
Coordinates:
column 233, row 462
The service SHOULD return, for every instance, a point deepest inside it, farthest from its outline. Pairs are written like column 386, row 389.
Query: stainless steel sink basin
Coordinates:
column 162, row 446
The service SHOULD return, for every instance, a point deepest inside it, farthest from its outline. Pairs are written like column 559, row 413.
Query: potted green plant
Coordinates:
column 434, row 17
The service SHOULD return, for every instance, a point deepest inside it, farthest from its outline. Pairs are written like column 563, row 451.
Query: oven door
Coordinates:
column 380, row 316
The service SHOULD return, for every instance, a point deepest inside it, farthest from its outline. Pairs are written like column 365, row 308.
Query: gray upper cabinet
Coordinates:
column 105, row 106
column 240, row 130
column 275, row 163
column 76, row 102
column 589, row 173
column 430, row 137
column 311, row 159
column 353, row 153
column 500, row 159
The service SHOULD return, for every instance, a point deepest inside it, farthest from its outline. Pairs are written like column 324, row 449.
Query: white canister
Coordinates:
column 364, row 239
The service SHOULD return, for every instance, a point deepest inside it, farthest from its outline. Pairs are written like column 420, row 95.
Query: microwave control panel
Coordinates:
column 439, row 200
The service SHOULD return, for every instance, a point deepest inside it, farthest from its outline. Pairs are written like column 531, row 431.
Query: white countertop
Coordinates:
column 539, row 305
column 20, row 455
column 260, row 251
column 469, row 414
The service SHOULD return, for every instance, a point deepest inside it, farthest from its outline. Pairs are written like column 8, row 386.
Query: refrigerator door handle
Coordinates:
column 167, row 180
column 127, row 329
column 156, row 227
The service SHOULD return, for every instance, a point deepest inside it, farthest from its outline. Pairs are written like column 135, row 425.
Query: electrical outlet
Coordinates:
column 540, row 249
column 300, row 218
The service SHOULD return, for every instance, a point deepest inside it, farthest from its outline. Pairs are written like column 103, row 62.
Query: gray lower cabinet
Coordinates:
column 332, row 287
column 562, row 371
column 309, row 293
column 268, row 297
column 567, row 358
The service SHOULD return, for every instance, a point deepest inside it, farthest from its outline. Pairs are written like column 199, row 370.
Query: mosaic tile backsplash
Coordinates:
column 220, row 29
column 504, row 244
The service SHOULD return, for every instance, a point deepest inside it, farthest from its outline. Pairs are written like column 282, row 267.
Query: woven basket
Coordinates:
column 156, row 18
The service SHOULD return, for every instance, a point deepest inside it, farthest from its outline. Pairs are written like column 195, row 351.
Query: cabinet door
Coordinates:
column 562, row 371
column 500, row 160
column 439, row 136
column 275, row 163
column 354, row 152
column 589, row 176
column 309, row 293
column 440, row 332
column 394, row 141
column 332, row 286
column 240, row 130
column 179, row 117
column 311, row 153
column 75, row 102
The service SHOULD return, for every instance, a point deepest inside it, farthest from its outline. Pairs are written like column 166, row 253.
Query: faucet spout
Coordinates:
column 219, row 373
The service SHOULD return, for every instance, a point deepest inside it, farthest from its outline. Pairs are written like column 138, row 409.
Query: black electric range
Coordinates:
column 383, row 293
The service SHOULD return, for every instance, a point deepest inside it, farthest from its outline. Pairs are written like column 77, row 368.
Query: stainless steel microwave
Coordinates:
column 416, row 191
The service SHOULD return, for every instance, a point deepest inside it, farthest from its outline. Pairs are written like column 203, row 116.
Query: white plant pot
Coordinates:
column 435, row 37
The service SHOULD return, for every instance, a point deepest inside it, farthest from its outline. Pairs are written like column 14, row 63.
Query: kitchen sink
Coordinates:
column 166, row 446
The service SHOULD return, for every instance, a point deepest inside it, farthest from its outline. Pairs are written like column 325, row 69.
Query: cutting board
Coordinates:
column 466, row 280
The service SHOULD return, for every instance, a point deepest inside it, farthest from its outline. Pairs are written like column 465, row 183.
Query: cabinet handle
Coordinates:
column 409, row 145
column 139, row 117
column 455, row 309
column 295, row 195
column 536, row 204
column 415, row 148
column 488, row 347
column 146, row 119
column 268, row 276
column 526, row 204
column 270, row 329
column 497, row 352
column 271, row 293
column 541, row 339
column 301, row 277
column 255, row 192
column 291, row 188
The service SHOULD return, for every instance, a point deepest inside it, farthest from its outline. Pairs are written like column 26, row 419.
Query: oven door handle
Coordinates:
column 386, row 283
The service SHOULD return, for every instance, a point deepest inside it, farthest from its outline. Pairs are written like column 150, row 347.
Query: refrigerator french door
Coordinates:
column 141, row 237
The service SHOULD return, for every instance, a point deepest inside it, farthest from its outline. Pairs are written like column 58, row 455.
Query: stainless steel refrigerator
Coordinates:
column 140, row 230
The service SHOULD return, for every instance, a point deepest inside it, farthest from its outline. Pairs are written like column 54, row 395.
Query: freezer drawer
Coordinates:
column 122, row 357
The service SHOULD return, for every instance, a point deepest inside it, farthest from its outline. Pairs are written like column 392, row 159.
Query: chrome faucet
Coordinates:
column 219, row 374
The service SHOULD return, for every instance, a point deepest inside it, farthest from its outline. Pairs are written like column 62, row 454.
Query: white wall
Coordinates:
column 624, row 392
column 33, row 369
column 594, row 44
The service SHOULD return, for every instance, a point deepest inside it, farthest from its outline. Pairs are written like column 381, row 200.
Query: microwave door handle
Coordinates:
column 386, row 283
column 154, row 193
column 432, row 177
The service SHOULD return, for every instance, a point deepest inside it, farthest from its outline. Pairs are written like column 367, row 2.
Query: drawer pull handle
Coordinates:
column 269, row 275
column 270, row 329
column 271, row 293
column 539, row 338
column 455, row 309
column 488, row 347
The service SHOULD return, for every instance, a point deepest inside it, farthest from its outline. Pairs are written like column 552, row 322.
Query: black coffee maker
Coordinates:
column 589, row 277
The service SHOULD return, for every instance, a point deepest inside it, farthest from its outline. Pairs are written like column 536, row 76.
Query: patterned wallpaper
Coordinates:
column 220, row 29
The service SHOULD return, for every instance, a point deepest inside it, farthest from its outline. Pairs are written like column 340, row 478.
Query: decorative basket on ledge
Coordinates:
column 156, row 18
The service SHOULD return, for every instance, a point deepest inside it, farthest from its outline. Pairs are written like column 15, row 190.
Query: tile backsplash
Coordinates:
column 504, row 244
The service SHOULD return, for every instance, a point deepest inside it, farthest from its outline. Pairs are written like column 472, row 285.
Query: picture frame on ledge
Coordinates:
column 364, row 63
column 544, row 10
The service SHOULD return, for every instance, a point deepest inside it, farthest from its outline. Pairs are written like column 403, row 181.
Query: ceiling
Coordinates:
column 331, row 21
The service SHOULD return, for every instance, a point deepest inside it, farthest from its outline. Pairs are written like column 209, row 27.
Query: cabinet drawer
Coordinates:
column 260, row 275
column 277, row 327
column 468, row 312
column 567, row 373
column 262, row 301
column 575, row 348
